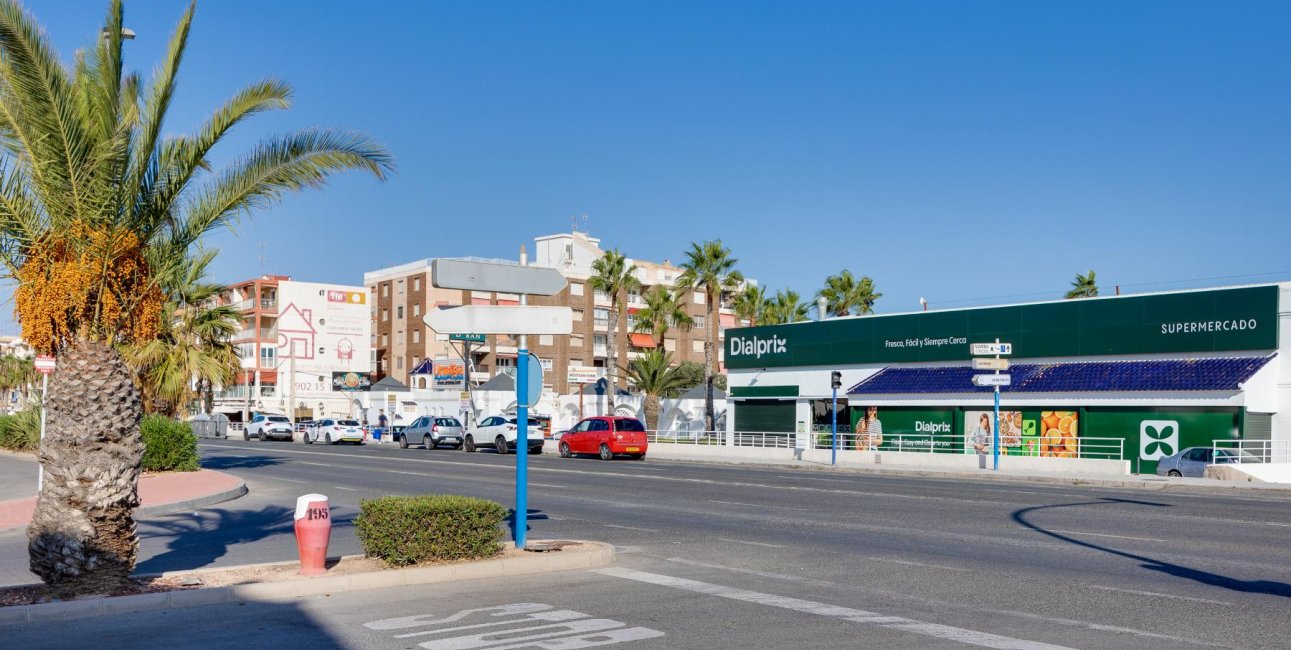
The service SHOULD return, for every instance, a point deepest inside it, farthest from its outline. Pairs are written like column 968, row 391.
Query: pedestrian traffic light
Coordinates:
column 836, row 380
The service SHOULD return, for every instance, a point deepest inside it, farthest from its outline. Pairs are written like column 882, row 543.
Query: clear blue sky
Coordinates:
column 953, row 150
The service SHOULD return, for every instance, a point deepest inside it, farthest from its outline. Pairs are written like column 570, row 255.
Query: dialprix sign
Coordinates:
column 1217, row 320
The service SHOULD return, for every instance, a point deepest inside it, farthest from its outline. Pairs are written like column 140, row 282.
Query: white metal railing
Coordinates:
column 685, row 437
column 1239, row 452
column 237, row 426
column 1073, row 447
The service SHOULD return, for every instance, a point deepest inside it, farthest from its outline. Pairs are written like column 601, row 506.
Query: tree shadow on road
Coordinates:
column 240, row 462
column 198, row 539
column 1269, row 587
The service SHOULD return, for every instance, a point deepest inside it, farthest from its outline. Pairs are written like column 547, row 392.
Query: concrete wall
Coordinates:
column 1254, row 472
column 852, row 458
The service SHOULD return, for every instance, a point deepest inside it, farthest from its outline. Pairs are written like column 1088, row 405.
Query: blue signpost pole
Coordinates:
column 995, row 430
column 522, row 446
column 833, row 454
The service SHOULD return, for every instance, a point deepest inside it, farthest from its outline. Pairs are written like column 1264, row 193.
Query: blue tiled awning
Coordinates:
column 1225, row 374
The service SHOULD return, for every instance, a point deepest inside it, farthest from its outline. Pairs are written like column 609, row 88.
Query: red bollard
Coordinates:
column 313, row 529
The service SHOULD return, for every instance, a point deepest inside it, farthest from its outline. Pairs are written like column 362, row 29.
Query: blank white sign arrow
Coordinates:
column 497, row 319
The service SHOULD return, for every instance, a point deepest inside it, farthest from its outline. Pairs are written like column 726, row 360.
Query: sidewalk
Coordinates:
column 158, row 493
column 678, row 453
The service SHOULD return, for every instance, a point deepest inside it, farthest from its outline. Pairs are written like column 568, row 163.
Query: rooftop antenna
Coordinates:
column 573, row 223
column 261, row 257
column 585, row 230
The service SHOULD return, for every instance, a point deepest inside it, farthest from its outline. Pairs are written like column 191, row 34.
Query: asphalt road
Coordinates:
column 741, row 557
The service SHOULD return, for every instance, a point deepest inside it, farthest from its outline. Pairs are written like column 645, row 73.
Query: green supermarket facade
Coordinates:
column 1149, row 373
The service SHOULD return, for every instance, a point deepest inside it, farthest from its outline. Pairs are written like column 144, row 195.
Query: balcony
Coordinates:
column 600, row 351
column 242, row 392
column 269, row 303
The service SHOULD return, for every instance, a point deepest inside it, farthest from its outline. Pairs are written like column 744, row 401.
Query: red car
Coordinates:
column 606, row 437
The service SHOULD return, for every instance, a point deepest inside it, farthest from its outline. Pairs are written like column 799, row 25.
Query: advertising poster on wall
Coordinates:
column 449, row 374
column 326, row 328
column 1017, row 433
column 1058, row 434
column 895, row 429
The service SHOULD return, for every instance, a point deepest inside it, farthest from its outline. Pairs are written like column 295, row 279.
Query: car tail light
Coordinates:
column 435, row 428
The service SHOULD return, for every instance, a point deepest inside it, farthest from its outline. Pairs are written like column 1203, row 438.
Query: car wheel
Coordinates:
column 308, row 440
column 329, row 439
column 501, row 444
column 1174, row 472
column 535, row 450
column 639, row 457
column 469, row 445
column 606, row 454
column 246, row 436
column 430, row 444
column 403, row 442
column 564, row 450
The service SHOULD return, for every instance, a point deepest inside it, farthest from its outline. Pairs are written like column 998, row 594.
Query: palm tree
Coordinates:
column 710, row 268
column 664, row 310
column 653, row 374
column 193, row 346
column 612, row 275
column 1084, row 286
column 845, row 295
column 785, row 307
column 17, row 373
column 98, row 215
column 750, row 304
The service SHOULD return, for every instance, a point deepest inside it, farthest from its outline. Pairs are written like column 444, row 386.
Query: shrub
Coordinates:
column 169, row 445
column 408, row 530
column 20, row 431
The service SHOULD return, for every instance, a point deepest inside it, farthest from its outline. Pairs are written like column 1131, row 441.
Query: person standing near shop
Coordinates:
column 381, row 420
column 869, row 431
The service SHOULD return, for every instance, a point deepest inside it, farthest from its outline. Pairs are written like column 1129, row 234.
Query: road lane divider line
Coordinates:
column 759, row 505
column 549, row 485
column 809, row 478
column 646, row 530
column 741, row 541
column 289, row 480
column 900, row 623
column 1158, row 594
column 939, row 567
column 341, row 487
column 1080, row 532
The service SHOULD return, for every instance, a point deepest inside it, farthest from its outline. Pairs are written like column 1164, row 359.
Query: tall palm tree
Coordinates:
column 785, row 307
column 192, row 352
column 750, row 304
column 612, row 275
column 1084, row 286
column 98, row 214
column 655, row 376
column 664, row 309
column 710, row 268
column 844, row 294
column 16, row 373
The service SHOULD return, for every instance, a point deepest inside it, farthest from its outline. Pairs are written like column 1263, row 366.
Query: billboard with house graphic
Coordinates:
column 325, row 327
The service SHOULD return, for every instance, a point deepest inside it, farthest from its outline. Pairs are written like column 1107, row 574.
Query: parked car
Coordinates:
column 1193, row 461
column 334, row 431
column 499, row 432
column 432, row 431
column 269, row 427
column 607, row 437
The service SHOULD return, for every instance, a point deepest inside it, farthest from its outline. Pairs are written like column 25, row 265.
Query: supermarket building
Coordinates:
column 1151, row 373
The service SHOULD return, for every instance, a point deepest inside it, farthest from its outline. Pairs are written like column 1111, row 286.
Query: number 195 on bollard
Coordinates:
column 313, row 531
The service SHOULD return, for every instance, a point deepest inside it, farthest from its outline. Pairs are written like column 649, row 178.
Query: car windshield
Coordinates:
column 629, row 425
column 348, row 423
column 1238, row 456
column 278, row 418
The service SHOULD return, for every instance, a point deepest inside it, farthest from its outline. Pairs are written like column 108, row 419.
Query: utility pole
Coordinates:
column 835, row 381
column 522, row 426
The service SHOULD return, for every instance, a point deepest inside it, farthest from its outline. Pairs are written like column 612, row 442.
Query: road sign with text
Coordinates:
column 990, row 364
column 992, row 380
column 992, row 348
column 45, row 365
column 469, row 338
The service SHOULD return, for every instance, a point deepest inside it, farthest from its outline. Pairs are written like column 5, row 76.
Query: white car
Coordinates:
column 266, row 427
column 334, row 431
column 499, row 432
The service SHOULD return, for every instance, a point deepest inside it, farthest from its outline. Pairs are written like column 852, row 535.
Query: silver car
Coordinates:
column 432, row 431
column 1193, row 461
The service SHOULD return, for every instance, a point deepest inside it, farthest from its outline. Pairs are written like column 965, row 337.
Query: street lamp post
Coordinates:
column 835, row 382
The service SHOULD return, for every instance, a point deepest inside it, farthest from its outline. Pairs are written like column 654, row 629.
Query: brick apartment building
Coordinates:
column 401, row 296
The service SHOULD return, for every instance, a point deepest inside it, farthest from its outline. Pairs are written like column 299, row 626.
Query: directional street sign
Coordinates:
column 990, row 364
column 992, row 348
column 469, row 338
column 496, row 276
column 497, row 319
column 992, row 380
column 534, row 379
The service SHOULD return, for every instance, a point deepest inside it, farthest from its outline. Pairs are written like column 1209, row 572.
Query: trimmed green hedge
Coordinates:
column 20, row 431
column 169, row 445
column 409, row 530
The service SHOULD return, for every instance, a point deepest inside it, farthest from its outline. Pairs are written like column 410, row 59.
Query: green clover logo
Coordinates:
column 1160, row 436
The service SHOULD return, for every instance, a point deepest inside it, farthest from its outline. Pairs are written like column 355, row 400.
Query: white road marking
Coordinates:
column 289, row 480
column 935, row 630
column 758, row 505
column 1078, row 532
column 340, row 487
column 645, row 530
column 549, row 485
column 754, row 572
column 913, row 563
column 556, row 629
column 1161, row 595
column 806, row 478
column 740, row 541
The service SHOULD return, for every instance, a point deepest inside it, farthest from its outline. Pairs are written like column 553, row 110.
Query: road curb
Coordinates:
column 197, row 502
column 1162, row 485
column 596, row 554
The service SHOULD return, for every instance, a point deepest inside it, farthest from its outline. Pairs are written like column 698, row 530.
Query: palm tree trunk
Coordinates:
column 652, row 411
column 710, row 336
column 82, row 537
column 611, row 357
